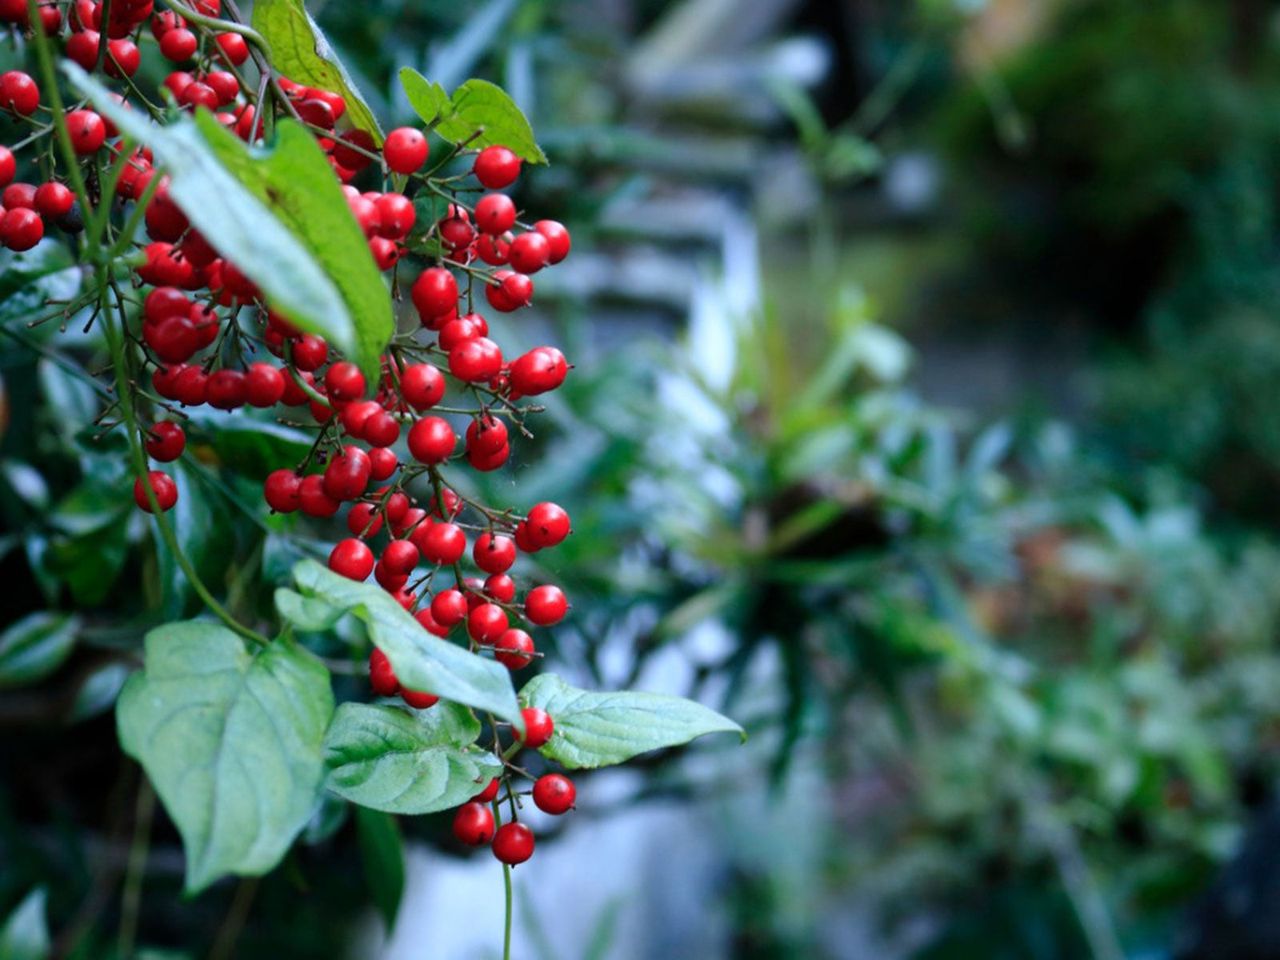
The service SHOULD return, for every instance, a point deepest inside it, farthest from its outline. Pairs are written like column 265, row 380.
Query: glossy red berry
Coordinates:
column 497, row 167
column 545, row 605
column 405, row 150
column 473, row 824
column 397, row 215
column 400, row 556
column 419, row 699
column 363, row 520
column 352, row 559
column 477, row 360
column 486, row 623
column 432, row 440
column 449, row 607
column 529, row 252
column 500, row 587
column 21, row 229
column 514, row 649
column 179, row 44
column 313, row 500
column 8, row 166
column 281, row 490
column 495, row 213
column 19, row 93
column 435, row 292
column 554, row 793
column 382, row 463
column 540, row 370
column 226, row 390
column 382, row 678
column 347, row 475
column 422, row 386
column 538, row 727
column 441, row 543
column 513, row 843
column 309, row 352
column 548, row 525
column 558, row 239
column 494, row 553
column 263, row 385
column 87, row 130
column 165, row 441
column 344, row 381
column 162, row 485
column 489, row 792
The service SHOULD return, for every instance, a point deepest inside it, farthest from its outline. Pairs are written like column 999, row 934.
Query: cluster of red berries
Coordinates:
column 209, row 339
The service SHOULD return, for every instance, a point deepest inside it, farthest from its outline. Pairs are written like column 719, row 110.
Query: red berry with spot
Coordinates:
column 541, row 370
column 178, row 44
column 538, row 727
column 347, row 475
column 545, row 605
column 449, row 607
column 477, row 360
column 432, row 440
column 558, row 239
column 529, row 252
column 500, row 587
column 514, row 649
column 344, row 381
column 497, row 167
column 554, row 793
column 162, row 485
column 473, row 824
column 352, row 559
column 441, row 543
column 548, row 525
column 405, row 150
column 363, row 520
column 435, row 292
column 494, row 553
column 382, row 678
column 165, row 441
column 19, row 93
column 401, row 556
column 495, row 213
column 422, row 386
column 513, row 843
column 486, row 623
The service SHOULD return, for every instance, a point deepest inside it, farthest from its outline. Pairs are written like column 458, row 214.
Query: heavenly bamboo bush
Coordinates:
column 240, row 238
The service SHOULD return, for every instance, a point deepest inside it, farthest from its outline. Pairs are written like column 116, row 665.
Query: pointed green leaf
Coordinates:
column 279, row 214
column 384, row 758
column 301, row 52
column 25, row 935
column 35, row 646
column 232, row 741
column 421, row 661
column 479, row 113
column 599, row 729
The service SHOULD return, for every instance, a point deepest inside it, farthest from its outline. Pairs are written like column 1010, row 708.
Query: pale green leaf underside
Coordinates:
column 35, row 647
column 387, row 759
column 599, row 729
column 300, row 51
column 25, row 934
column 279, row 215
column 232, row 742
column 421, row 661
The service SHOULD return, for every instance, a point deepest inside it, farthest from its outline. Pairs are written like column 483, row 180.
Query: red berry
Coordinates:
column 497, row 167
column 511, row 291
column 538, row 727
column 179, row 44
column 489, row 792
column 501, row 587
column 312, row 499
column 558, row 240
column 401, row 556
column 352, row 559
column 381, row 430
column 405, row 150
column 21, row 229
column 347, row 475
column 162, row 485
column 477, row 360
column 494, row 553
column 539, row 371
column 449, row 607
column 441, row 543
column 486, row 623
column 514, row 649
column 87, row 130
column 165, row 441
column 473, row 824
column 435, row 292
column 310, row 352
column 363, row 520
column 529, row 252
column 554, row 793
column 545, row 605
column 173, row 339
column 422, row 386
column 486, row 436
column 382, row 463
column 548, row 525
column 513, row 843
column 54, row 199
column 396, row 214
column 123, row 57
column 418, row 699
column 8, row 166
column 263, row 385
column 432, row 440
column 234, row 48
column 19, row 93
column 495, row 213
column 344, row 381
column 226, row 389
column 381, row 675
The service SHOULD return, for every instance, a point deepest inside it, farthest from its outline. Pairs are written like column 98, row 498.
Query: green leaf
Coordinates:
column 250, row 446
column 479, row 113
column 35, row 647
column 99, row 691
column 421, row 661
column 387, row 759
column 382, row 852
column 233, row 743
column 300, row 51
column 25, row 935
column 599, row 729
column 278, row 214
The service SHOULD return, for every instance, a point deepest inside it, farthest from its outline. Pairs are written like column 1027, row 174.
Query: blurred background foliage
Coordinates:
column 926, row 418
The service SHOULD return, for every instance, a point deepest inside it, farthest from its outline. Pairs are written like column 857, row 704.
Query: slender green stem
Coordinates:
column 49, row 80
column 131, row 900
column 506, row 887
